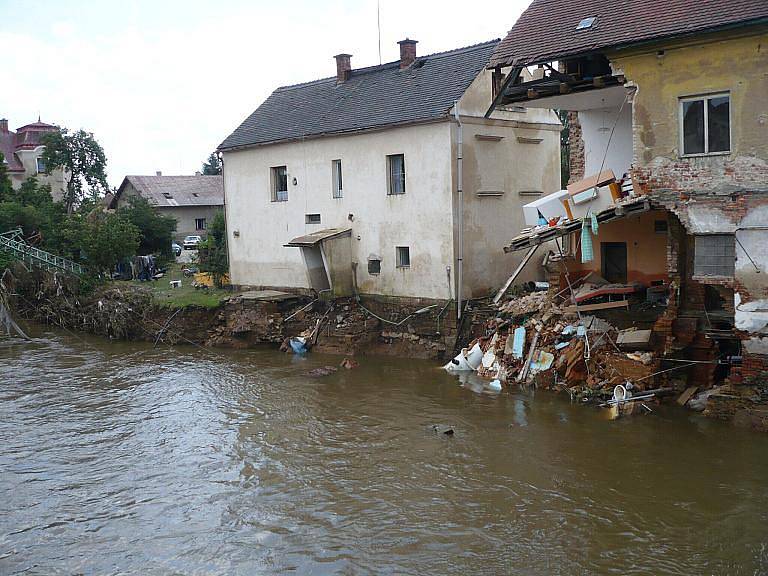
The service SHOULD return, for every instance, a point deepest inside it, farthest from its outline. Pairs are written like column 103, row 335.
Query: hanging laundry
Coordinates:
column 586, row 243
column 595, row 225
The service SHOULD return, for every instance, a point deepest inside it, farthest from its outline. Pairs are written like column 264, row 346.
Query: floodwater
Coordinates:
column 123, row 459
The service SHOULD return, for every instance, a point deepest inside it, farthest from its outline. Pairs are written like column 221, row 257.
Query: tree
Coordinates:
column 83, row 161
column 156, row 230
column 106, row 239
column 6, row 189
column 213, row 255
column 212, row 166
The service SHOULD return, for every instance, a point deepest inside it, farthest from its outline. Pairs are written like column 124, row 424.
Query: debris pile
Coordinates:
column 534, row 340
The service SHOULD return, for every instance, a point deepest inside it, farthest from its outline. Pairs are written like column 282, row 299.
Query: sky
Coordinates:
column 161, row 83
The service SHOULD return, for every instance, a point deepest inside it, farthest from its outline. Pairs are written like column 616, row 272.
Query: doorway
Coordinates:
column 614, row 261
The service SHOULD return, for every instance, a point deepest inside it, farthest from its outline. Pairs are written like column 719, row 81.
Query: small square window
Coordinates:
column 279, row 183
column 705, row 125
column 338, row 188
column 660, row 226
column 40, row 165
column 395, row 174
column 312, row 218
column 403, row 257
column 374, row 267
column 715, row 255
column 200, row 224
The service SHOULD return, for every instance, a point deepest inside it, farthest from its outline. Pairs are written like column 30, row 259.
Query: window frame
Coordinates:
column 378, row 265
column 697, row 272
column 390, row 180
column 681, row 126
column 274, row 180
column 337, row 179
column 310, row 218
column 38, row 160
column 398, row 259
column 204, row 222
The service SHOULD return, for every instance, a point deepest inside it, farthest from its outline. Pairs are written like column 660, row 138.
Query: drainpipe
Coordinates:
column 460, row 202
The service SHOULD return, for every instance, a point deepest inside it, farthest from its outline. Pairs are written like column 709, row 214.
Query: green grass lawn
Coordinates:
column 164, row 295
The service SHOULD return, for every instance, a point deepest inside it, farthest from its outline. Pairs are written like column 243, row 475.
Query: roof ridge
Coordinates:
column 393, row 64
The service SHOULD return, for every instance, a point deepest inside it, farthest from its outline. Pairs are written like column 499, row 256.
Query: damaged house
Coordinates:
column 668, row 195
column 386, row 180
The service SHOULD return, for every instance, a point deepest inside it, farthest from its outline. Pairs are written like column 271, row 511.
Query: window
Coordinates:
column 40, row 165
column 705, row 124
column 312, row 218
column 167, row 195
column 374, row 266
column 715, row 255
column 338, row 188
column 403, row 257
column 396, row 174
column 200, row 224
column 279, row 184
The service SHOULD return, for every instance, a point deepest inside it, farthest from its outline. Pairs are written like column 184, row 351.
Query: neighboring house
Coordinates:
column 23, row 156
column 673, row 94
column 351, row 183
column 192, row 200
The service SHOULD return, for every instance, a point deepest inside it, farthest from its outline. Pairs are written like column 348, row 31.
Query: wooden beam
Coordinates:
column 600, row 306
column 516, row 273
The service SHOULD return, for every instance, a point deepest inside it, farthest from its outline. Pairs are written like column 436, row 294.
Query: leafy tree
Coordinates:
column 106, row 239
column 212, row 166
column 156, row 230
column 213, row 255
column 6, row 190
column 82, row 159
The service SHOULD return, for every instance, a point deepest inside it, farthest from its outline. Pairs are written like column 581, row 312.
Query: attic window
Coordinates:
column 168, row 195
column 586, row 23
column 194, row 194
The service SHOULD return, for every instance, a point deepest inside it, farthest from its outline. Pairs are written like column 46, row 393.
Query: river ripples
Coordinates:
column 124, row 459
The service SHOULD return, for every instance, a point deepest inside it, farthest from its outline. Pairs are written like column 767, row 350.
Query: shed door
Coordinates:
column 614, row 258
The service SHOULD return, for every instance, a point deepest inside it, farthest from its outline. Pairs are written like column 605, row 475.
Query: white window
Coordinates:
column 200, row 224
column 312, row 218
column 338, row 188
column 715, row 255
column 705, row 125
column 279, row 183
column 403, row 257
column 40, row 165
column 395, row 174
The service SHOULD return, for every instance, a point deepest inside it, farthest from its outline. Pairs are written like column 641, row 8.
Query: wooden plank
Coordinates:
column 516, row 273
column 685, row 396
column 600, row 306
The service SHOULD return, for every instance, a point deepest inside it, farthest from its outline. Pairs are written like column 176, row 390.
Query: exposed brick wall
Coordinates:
column 724, row 181
column 576, row 160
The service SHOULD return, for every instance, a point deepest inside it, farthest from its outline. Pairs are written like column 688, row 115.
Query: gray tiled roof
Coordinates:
column 372, row 97
column 183, row 190
column 547, row 29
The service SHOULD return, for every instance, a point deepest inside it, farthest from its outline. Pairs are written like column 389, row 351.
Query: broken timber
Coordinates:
column 541, row 235
column 516, row 273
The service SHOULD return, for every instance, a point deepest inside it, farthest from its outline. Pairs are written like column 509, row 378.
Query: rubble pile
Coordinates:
column 534, row 340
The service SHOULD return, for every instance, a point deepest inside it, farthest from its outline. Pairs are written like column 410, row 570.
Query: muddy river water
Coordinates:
column 119, row 458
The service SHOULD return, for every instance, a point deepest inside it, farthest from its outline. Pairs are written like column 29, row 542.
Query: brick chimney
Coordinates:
column 3, row 125
column 343, row 67
column 407, row 52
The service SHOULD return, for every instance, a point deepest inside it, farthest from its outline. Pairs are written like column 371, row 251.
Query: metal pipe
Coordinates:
column 460, row 203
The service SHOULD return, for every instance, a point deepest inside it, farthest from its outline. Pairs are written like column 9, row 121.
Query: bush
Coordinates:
column 213, row 253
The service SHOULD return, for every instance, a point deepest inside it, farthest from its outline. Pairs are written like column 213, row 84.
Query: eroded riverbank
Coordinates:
column 123, row 458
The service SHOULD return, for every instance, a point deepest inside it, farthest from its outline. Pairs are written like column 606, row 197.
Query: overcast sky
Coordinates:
column 162, row 83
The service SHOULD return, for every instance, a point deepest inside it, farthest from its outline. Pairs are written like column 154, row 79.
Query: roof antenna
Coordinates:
column 378, row 25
